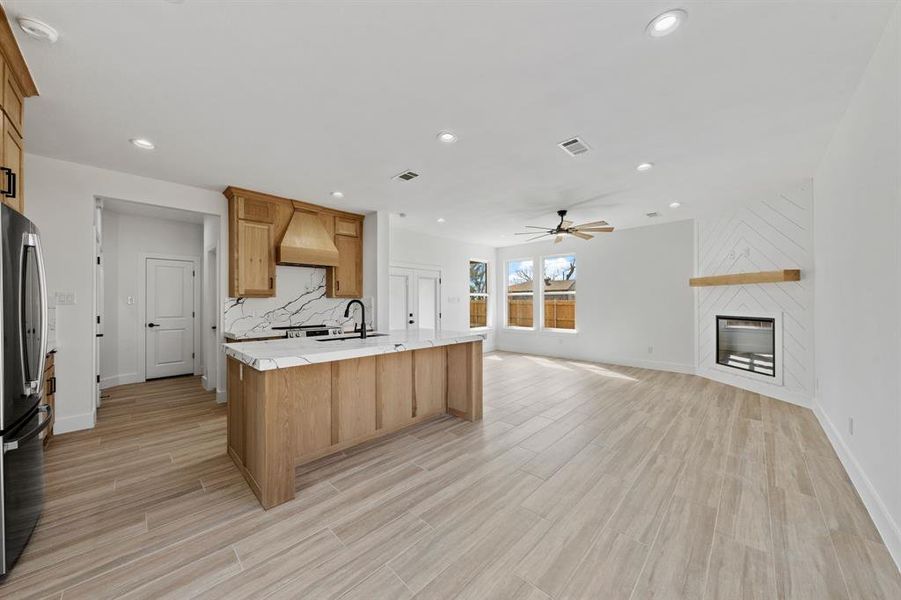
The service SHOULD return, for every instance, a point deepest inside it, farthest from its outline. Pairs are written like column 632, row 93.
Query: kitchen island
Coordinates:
column 291, row 401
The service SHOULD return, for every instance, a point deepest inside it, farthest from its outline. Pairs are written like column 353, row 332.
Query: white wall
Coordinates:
column 59, row 198
column 210, row 310
column 857, row 197
column 632, row 296
column 766, row 234
column 131, row 238
column 409, row 248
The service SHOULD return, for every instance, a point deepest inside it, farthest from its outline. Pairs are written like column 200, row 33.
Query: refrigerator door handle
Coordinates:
column 35, row 386
column 14, row 445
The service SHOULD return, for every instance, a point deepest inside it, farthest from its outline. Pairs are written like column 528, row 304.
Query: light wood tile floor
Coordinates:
column 583, row 481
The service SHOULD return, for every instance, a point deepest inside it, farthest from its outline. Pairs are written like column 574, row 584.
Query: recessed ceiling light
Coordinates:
column 142, row 143
column 675, row 204
column 38, row 29
column 666, row 23
column 337, row 195
column 447, row 137
column 645, row 166
column 441, row 219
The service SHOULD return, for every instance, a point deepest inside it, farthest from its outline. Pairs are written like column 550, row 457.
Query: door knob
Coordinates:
column 152, row 324
column 410, row 321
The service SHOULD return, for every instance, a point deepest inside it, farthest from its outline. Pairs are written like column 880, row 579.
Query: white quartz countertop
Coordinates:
column 293, row 352
column 252, row 335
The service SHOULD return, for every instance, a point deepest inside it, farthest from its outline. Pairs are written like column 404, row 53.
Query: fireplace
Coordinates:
column 747, row 344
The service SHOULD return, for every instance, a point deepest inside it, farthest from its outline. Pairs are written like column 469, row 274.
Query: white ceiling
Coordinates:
column 302, row 98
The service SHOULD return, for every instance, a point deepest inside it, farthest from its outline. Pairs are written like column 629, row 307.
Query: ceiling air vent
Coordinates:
column 652, row 214
column 574, row 146
column 406, row 176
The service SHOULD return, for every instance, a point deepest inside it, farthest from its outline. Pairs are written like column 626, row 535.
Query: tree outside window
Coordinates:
column 520, row 293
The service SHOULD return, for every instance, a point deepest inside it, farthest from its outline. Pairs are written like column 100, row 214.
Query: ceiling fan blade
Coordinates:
column 597, row 229
column 538, row 237
column 534, row 227
column 546, row 232
column 566, row 224
column 558, row 239
column 592, row 224
column 579, row 234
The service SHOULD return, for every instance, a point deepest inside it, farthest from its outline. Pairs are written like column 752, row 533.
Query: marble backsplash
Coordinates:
column 300, row 300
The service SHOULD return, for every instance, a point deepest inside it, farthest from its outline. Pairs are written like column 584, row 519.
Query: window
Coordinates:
column 478, row 294
column 520, row 293
column 559, row 292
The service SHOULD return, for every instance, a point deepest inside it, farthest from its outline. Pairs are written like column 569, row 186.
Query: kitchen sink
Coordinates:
column 355, row 336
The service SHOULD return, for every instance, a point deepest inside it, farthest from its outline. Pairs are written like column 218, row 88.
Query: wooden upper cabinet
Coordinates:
column 16, row 84
column 255, row 262
column 13, row 102
column 13, row 157
column 257, row 224
column 346, row 280
column 349, row 227
column 256, row 209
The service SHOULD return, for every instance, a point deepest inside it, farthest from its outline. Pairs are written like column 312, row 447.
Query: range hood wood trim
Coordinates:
column 747, row 278
column 306, row 242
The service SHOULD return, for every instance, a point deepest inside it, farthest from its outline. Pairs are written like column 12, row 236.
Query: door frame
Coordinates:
column 142, row 309
column 424, row 267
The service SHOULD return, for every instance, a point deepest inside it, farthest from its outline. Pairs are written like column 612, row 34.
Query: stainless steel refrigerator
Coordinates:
column 23, row 417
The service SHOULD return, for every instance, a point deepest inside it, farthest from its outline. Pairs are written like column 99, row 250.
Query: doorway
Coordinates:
column 415, row 298
column 170, row 315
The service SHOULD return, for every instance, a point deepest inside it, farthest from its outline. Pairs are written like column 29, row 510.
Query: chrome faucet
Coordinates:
column 362, row 316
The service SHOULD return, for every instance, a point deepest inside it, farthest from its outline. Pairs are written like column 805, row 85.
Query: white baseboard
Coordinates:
column 221, row 396
column 206, row 383
column 888, row 528
column 120, row 379
column 772, row 391
column 73, row 423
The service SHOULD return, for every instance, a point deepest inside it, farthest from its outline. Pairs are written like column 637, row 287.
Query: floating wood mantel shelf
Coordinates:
column 746, row 278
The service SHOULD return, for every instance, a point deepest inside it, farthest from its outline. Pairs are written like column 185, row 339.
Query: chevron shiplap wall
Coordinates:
column 774, row 232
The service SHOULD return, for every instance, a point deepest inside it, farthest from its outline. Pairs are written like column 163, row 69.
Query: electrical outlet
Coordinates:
column 64, row 298
column 851, row 425
column 130, row 300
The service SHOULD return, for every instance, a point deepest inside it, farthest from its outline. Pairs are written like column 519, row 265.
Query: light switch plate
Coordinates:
column 65, row 298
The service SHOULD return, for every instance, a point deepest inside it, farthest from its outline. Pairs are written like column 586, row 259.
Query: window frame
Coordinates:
column 506, row 281
column 487, row 295
column 542, row 292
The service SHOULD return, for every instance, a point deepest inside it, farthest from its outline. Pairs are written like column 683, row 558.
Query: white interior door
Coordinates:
column 415, row 298
column 169, row 318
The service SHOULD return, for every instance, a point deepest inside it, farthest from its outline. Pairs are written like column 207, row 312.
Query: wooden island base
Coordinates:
column 281, row 418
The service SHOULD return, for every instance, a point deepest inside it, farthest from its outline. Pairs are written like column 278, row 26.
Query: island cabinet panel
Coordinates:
column 464, row 380
column 235, row 409
column 353, row 399
column 394, row 390
column 429, row 381
column 308, row 392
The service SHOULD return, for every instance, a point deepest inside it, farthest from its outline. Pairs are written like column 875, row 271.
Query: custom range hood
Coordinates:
column 307, row 242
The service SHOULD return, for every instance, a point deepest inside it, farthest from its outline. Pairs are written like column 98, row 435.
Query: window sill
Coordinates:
column 556, row 330
column 485, row 328
column 515, row 328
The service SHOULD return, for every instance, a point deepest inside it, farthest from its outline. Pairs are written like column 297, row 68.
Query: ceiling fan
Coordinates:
column 565, row 228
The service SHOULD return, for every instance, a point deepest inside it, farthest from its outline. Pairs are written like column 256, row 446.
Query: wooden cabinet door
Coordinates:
column 13, row 153
column 347, row 277
column 13, row 101
column 256, row 209
column 255, row 276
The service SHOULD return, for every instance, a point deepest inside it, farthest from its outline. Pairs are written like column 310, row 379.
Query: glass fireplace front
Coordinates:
column 747, row 344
